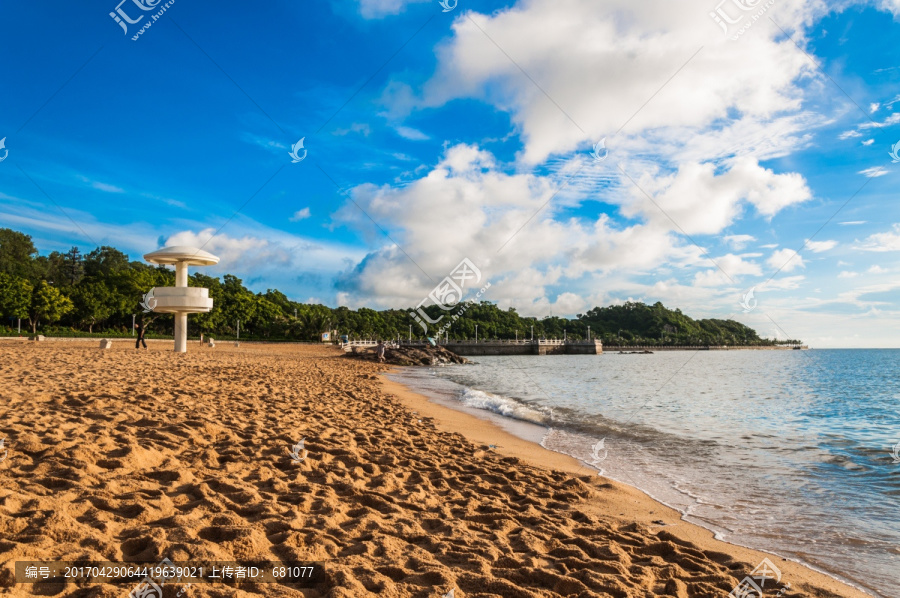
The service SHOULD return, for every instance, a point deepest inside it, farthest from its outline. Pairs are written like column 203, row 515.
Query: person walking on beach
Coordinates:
column 141, row 328
column 380, row 351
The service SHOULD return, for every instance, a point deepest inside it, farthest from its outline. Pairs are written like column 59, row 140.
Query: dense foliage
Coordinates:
column 71, row 293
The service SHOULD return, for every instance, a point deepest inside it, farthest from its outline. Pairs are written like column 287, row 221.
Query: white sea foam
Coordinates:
column 478, row 399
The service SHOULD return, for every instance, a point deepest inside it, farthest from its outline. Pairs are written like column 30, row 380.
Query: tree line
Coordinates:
column 71, row 293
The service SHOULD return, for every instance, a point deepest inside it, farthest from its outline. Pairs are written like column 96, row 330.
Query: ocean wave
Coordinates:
column 505, row 406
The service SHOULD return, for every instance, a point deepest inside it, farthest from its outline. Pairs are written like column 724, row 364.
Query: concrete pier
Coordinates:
column 535, row 347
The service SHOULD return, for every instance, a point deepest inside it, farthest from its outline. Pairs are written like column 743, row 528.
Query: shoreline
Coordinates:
column 632, row 503
column 120, row 455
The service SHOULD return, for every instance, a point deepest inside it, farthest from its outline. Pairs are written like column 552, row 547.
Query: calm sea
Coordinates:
column 786, row 451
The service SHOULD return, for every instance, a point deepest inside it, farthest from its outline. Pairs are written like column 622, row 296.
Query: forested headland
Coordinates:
column 75, row 293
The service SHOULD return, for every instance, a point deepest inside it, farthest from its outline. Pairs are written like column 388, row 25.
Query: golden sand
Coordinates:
column 125, row 455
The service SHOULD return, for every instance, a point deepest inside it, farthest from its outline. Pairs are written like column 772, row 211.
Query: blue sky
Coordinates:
column 435, row 136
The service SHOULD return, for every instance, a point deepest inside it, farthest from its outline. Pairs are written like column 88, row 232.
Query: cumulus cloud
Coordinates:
column 886, row 241
column 738, row 242
column 785, row 260
column 697, row 200
column 590, row 65
column 729, row 269
column 300, row 215
column 246, row 250
column 467, row 206
column 264, row 255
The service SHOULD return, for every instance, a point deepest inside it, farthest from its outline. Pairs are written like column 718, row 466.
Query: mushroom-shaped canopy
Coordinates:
column 191, row 256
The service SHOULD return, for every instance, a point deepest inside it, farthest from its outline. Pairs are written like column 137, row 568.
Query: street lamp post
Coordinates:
column 410, row 333
column 589, row 333
column 476, row 333
column 132, row 324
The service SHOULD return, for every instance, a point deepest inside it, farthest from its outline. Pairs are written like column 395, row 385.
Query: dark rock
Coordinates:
column 404, row 355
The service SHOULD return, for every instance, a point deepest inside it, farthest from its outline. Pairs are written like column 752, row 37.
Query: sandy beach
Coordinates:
column 125, row 455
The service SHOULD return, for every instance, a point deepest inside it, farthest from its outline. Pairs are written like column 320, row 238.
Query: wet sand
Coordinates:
column 125, row 455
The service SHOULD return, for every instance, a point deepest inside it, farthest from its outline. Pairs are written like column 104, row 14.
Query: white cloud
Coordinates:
column 873, row 107
column 849, row 134
column 893, row 119
column 300, row 215
column 106, row 187
column 852, row 222
column 730, row 268
column 868, row 142
column 786, row 283
column 361, row 128
column 698, row 201
column 467, row 207
column 820, row 246
column 411, row 134
column 376, row 9
column 876, row 269
column 263, row 142
column 847, row 274
column 558, row 42
column 875, row 171
column 879, row 242
column 738, row 242
column 785, row 260
column 101, row 186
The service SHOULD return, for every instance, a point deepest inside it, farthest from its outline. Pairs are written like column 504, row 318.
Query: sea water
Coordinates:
column 793, row 452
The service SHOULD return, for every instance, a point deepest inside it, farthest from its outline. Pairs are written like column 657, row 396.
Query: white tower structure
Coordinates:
column 181, row 299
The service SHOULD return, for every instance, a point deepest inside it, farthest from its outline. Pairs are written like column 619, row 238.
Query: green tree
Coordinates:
column 17, row 254
column 47, row 303
column 93, row 303
column 103, row 262
column 15, row 296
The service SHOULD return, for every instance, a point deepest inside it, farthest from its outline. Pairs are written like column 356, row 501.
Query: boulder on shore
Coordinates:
column 409, row 355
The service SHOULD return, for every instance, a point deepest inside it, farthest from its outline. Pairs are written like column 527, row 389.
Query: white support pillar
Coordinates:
column 181, row 332
column 181, row 274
